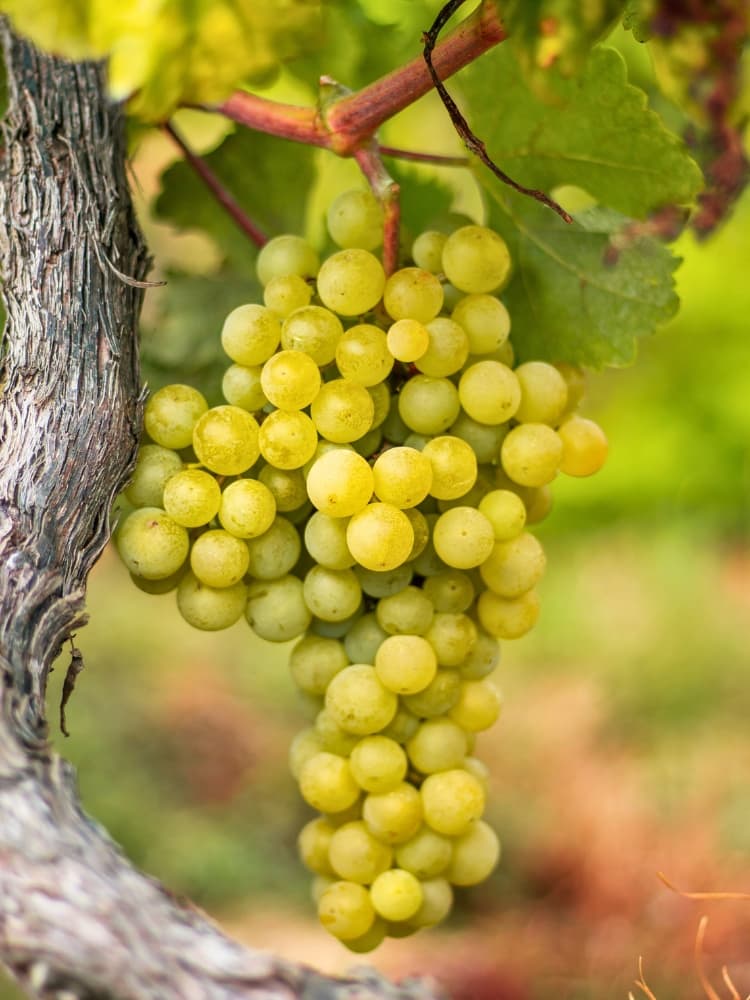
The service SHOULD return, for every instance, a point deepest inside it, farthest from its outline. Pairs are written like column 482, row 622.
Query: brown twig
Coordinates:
column 217, row 189
column 416, row 157
column 473, row 143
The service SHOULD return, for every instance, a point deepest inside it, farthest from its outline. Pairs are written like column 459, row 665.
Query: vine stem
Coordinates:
column 387, row 191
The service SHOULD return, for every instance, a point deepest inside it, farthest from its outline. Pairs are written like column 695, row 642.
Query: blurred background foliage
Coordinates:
column 624, row 748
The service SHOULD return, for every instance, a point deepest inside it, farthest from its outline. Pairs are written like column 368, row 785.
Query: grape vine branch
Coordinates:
column 76, row 919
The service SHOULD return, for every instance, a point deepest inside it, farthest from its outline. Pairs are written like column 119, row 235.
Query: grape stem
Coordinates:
column 387, row 191
column 217, row 189
column 415, row 156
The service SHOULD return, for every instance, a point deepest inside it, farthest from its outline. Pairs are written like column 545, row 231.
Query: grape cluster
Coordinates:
column 367, row 486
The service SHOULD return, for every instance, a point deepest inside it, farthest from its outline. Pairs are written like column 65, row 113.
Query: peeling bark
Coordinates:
column 76, row 920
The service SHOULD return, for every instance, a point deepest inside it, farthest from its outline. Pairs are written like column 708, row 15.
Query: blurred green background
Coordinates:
column 623, row 750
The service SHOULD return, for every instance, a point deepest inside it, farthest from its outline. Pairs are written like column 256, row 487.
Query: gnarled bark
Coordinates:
column 76, row 920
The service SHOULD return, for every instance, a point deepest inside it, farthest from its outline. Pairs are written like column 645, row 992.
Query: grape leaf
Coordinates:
column 269, row 177
column 598, row 134
column 171, row 53
column 573, row 297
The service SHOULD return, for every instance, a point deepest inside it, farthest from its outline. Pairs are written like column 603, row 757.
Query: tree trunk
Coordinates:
column 76, row 920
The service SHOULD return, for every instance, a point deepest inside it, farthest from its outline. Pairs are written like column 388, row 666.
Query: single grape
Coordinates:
column 219, row 559
column 463, row 537
column 305, row 745
column 482, row 659
column 333, row 595
column 454, row 466
column 241, row 387
column 376, row 584
column 153, row 468
column 209, row 608
column 285, row 255
column 313, row 842
column 575, row 380
column 380, row 395
column 157, row 587
column 508, row 618
column 314, row 330
column 452, row 801
column 531, row 454
column 485, row 440
column 363, row 639
column 362, row 355
column 172, row 413
column 450, row 590
column 225, row 440
column 250, row 334
column 475, row 855
column 396, row 894
column 290, row 380
column 447, row 350
column 393, row 816
column 276, row 609
column 478, row 706
column 408, row 612
column 315, row 661
column 476, row 260
column 274, row 553
column 485, row 321
column 335, row 739
column 325, row 541
column 544, row 393
column 346, row 911
column 355, row 220
column 440, row 695
column 287, row 486
column 428, row 405
column 405, row 664
column 342, row 411
column 427, row 250
column 356, row 855
column 285, row 293
column 584, row 446
column 247, row 508
column 151, row 544
column 436, row 904
column 506, row 513
column 287, row 439
column 413, row 293
column 351, row 282
column 192, row 497
column 380, row 537
column 515, row 566
column 407, row 339
column 426, row 855
column 340, row 483
column 358, row 701
column 489, row 392
column 326, row 783
column 438, row 745
column 378, row 764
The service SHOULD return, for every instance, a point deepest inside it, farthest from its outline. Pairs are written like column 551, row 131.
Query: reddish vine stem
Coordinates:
column 416, row 157
column 217, row 189
column 387, row 191
column 473, row 143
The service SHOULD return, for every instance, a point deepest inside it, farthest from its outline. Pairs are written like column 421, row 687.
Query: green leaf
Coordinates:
column 572, row 296
column 598, row 134
column 269, row 177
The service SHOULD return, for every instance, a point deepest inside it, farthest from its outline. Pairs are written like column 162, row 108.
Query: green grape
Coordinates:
column 157, row 587
column 312, row 846
column 340, row 483
column 413, row 293
column 369, row 444
column 426, row 855
column 544, row 393
column 151, row 544
column 454, row 466
column 315, row 661
column 484, row 439
column 358, row 701
column 508, row 618
column 476, row 260
column 475, row 855
column 452, row 801
column 335, row 739
column 250, row 334
column 482, row 485
column 428, row 562
column 405, row 664
column 378, row 764
column 482, row 659
column 284, row 255
column 285, row 293
column 438, row 745
column 538, row 504
column 355, row 220
column 171, row 415
column 290, row 380
column 402, row 726
column 247, row 508
column 192, row 498
column 332, row 594
column 584, row 446
column 463, row 537
column 451, row 590
column 452, row 636
column 287, row 439
column 357, row 856
column 380, row 395
column 325, row 541
column 337, row 629
column 427, row 250
column 396, row 894
column 515, row 566
column 241, row 387
column 440, row 695
column 407, row 340
column 274, row 553
column 480, row 771
column 489, row 392
column 342, row 411
column 363, row 639
column 326, row 783
column 346, row 911
column 306, row 744
column 393, row 816
column 402, row 477
column 428, row 405
column 408, row 612
column 447, row 350
column 379, row 585
column 153, row 467
column 276, row 609
column 314, row 330
column 421, row 530
column 485, row 321
column 394, row 429
column 351, row 282
column 380, row 537
column 575, row 380
column 362, row 355
column 370, row 940
column 436, row 904
column 478, row 706
column 225, row 440
column 299, row 515
column 287, row 487
column 208, row 608
column 506, row 513
column 531, row 454
column 219, row 559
